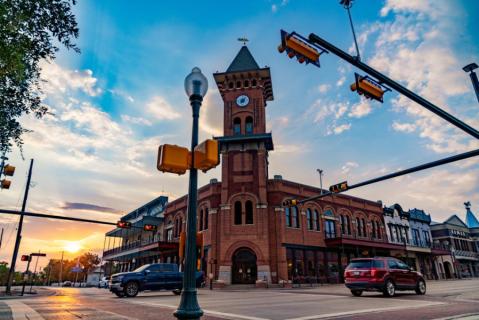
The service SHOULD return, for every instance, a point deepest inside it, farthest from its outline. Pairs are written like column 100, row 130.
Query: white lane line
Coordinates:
column 375, row 310
column 231, row 316
column 21, row 311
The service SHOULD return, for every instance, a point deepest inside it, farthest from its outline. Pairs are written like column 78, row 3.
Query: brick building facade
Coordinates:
column 248, row 235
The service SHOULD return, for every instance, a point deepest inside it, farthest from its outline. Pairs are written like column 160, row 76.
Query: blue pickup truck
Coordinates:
column 155, row 276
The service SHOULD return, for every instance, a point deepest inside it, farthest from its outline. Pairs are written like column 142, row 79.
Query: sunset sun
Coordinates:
column 72, row 247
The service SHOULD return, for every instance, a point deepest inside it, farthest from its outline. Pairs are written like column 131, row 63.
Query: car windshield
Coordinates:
column 360, row 264
column 142, row 268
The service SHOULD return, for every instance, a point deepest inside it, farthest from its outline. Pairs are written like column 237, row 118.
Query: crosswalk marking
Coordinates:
column 21, row 311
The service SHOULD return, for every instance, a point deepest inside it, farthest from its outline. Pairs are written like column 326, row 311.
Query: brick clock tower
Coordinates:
column 243, row 247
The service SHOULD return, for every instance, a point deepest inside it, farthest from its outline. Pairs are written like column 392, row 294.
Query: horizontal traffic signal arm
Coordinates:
column 51, row 216
column 316, row 40
column 462, row 156
column 297, row 46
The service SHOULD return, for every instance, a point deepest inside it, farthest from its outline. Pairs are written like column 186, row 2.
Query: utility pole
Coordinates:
column 1, row 239
column 34, row 272
column 19, row 232
column 320, row 171
column 26, row 274
column 60, row 280
column 475, row 82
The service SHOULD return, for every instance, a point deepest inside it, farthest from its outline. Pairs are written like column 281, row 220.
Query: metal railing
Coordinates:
column 131, row 245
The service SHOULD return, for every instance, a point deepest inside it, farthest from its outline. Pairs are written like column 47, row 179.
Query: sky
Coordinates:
column 113, row 104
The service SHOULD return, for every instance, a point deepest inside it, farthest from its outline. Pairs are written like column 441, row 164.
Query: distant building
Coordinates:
column 462, row 240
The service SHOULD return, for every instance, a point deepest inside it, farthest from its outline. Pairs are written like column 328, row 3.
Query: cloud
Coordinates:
column 403, row 127
column 136, row 120
column 341, row 81
column 360, row 109
column 323, row 88
column 340, row 129
column 88, row 207
column 122, row 94
column 274, row 8
column 161, row 109
column 348, row 166
column 62, row 80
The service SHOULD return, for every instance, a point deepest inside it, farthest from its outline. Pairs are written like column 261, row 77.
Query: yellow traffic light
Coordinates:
column 8, row 170
column 174, row 159
column 368, row 87
column 290, row 203
column 335, row 188
column 206, row 155
column 5, row 184
column 299, row 47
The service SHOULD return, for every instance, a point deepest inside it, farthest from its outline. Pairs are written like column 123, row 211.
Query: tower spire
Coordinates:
column 244, row 40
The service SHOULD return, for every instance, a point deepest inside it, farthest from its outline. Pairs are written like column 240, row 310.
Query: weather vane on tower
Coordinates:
column 243, row 39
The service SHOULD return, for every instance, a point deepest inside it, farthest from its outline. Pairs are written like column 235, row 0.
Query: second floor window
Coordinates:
column 238, row 219
column 295, row 217
column 237, row 126
column 329, row 229
column 287, row 212
column 249, row 125
column 316, row 220
column 249, row 212
column 309, row 218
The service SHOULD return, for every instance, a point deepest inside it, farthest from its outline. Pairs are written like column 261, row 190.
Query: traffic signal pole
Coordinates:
column 428, row 165
column 19, row 232
column 313, row 38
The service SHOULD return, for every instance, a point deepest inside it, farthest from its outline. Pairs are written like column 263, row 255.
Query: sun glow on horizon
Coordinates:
column 73, row 247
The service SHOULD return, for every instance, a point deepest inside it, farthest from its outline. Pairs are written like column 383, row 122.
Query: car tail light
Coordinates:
column 373, row 273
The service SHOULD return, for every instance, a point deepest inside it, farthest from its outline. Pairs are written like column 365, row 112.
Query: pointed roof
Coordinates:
column 471, row 219
column 455, row 220
column 243, row 61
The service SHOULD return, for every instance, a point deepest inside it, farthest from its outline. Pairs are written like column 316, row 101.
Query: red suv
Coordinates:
column 384, row 274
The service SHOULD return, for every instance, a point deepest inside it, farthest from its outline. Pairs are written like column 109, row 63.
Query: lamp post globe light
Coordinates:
column 196, row 86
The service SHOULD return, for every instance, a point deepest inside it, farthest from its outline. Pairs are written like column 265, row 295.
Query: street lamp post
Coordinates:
column 196, row 86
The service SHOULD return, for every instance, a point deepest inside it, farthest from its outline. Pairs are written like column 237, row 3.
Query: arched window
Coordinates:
column 249, row 212
column 343, row 226
column 246, row 83
column 316, row 220
column 253, row 83
column 348, row 224
column 238, row 213
column 206, row 219
column 287, row 216
column 295, row 217
column 249, row 125
column 358, row 227
column 181, row 226
column 309, row 218
column 378, row 229
column 175, row 232
column 231, row 85
column 237, row 126
column 201, row 220
column 365, row 233
column 238, row 84
column 373, row 230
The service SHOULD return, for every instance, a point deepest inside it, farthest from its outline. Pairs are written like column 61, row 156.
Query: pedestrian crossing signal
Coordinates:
column 206, row 155
column 290, row 203
column 173, row 158
column 340, row 187
column 150, row 227
column 123, row 224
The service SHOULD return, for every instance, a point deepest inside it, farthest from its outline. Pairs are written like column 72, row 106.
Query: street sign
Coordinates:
column 77, row 269
column 38, row 254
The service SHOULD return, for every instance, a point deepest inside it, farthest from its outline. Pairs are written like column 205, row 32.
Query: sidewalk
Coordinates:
column 17, row 290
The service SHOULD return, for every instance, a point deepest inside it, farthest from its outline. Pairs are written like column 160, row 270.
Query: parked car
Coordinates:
column 104, row 281
column 384, row 274
column 155, row 276
column 67, row 284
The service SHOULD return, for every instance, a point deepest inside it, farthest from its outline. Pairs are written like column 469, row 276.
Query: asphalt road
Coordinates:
column 444, row 300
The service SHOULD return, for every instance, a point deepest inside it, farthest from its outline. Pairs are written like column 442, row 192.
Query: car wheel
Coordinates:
column 389, row 289
column 177, row 292
column 421, row 287
column 120, row 294
column 357, row 293
column 131, row 289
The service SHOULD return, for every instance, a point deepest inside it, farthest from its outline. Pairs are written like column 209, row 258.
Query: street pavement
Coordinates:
column 444, row 300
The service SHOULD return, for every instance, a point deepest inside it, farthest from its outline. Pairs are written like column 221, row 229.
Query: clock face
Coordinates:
column 242, row 101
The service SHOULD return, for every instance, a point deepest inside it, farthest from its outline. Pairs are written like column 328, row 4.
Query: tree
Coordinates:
column 89, row 261
column 28, row 30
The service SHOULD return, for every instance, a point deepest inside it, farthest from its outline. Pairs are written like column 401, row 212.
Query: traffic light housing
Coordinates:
column 290, row 202
column 26, row 258
column 340, row 187
column 299, row 47
column 8, row 170
column 173, row 158
column 368, row 87
column 123, row 224
column 5, row 184
column 150, row 227
column 206, row 155
column 199, row 247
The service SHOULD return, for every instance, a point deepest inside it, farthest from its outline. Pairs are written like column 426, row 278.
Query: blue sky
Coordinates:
column 123, row 96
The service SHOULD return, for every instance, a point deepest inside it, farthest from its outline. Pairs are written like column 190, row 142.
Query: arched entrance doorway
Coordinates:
column 244, row 269
column 448, row 270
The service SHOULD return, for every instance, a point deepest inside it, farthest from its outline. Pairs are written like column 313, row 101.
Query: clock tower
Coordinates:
column 245, row 89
